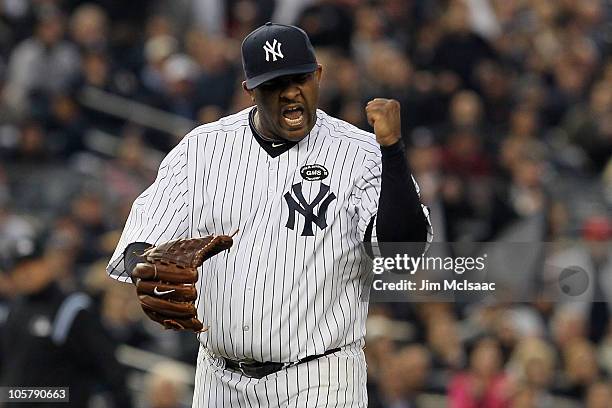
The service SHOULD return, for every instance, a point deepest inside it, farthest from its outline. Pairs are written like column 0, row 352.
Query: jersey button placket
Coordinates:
column 272, row 172
column 248, row 301
column 245, row 323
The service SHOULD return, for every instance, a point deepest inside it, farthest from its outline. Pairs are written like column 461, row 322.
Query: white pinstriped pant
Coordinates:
column 335, row 380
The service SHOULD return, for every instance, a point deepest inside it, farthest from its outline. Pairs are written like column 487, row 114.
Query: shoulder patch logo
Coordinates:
column 314, row 172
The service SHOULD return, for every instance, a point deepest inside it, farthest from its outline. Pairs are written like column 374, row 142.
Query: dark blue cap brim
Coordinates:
column 299, row 69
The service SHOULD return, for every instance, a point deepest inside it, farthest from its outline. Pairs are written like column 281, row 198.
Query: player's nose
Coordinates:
column 290, row 91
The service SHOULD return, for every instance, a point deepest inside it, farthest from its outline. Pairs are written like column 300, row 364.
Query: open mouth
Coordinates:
column 293, row 116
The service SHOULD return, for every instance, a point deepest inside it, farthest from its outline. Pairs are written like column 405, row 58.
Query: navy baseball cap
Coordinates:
column 274, row 50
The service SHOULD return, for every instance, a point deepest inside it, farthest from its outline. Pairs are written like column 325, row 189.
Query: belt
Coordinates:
column 256, row 369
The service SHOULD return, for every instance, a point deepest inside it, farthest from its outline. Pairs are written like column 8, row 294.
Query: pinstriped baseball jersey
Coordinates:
column 292, row 284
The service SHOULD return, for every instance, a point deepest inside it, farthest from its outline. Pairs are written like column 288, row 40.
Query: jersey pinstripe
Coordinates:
column 292, row 284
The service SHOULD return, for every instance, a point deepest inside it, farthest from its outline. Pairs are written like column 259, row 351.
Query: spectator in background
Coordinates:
column 442, row 194
column 15, row 23
column 132, row 169
column 484, row 384
column 52, row 337
column 89, row 27
column 88, row 213
column 12, row 226
column 384, row 335
column 31, row 145
column 128, row 22
column 341, row 88
column 244, row 16
column 447, row 350
column 460, row 50
column 209, row 113
column 66, row 126
column 589, row 125
column 388, row 71
column 465, row 111
column 594, row 306
column 97, row 74
column 403, row 378
column 369, row 32
column 580, row 369
column 179, row 74
column 328, row 23
column 209, row 15
column 466, row 188
column 597, row 232
column 287, row 12
column 63, row 250
column 494, row 82
column 572, row 72
column 157, row 50
column 606, row 180
column 122, row 316
column 567, row 326
column 165, row 386
column 523, row 123
column 216, row 74
column 532, row 365
column 401, row 20
column 521, row 205
column 464, row 155
column 95, row 71
column 599, row 395
column 42, row 63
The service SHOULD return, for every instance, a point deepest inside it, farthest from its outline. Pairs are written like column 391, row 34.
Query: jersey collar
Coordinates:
column 274, row 149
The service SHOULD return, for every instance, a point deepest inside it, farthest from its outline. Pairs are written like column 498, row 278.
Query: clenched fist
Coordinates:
column 384, row 116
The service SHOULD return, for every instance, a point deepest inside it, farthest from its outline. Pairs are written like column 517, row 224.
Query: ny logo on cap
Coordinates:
column 273, row 49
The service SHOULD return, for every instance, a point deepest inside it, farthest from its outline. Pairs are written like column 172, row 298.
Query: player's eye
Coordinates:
column 272, row 85
column 303, row 78
column 267, row 85
column 282, row 82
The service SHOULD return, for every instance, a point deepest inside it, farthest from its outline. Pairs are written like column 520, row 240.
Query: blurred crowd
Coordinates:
column 506, row 113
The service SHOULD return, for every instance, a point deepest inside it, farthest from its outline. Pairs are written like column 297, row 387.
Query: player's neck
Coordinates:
column 261, row 132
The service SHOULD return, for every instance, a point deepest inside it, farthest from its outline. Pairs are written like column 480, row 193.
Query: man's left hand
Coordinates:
column 384, row 116
column 165, row 282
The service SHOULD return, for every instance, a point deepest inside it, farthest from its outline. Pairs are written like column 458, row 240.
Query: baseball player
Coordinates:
column 279, row 316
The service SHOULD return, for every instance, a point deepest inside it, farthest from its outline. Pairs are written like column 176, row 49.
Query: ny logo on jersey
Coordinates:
column 307, row 209
column 273, row 50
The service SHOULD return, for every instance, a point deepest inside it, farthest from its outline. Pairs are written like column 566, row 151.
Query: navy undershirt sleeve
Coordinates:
column 400, row 217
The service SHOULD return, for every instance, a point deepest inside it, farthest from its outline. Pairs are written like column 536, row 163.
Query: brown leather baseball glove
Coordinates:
column 165, row 283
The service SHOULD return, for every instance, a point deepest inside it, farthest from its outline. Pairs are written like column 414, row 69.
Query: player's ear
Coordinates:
column 319, row 72
column 249, row 91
